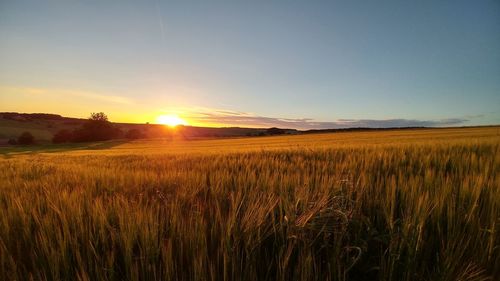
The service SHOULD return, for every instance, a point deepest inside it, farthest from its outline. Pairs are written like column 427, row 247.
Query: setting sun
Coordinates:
column 170, row 120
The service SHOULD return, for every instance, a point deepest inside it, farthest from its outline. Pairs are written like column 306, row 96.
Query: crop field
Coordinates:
column 380, row 205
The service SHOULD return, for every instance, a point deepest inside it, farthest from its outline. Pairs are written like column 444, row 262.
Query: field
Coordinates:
column 44, row 126
column 389, row 205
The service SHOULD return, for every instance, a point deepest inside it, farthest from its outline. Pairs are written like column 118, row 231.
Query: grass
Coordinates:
column 10, row 151
column 394, row 205
column 42, row 130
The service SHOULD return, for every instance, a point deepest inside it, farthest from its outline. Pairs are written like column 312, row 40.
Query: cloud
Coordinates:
column 235, row 118
column 105, row 98
column 63, row 92
column 477, row 116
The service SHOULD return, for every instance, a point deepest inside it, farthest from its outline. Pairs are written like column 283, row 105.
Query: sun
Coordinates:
column 170, row 120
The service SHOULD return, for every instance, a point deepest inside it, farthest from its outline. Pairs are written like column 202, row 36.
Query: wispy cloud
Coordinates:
column 476, row 116
column 160, row 20
column 109, row 98
column 105, row 98
column 235, row 118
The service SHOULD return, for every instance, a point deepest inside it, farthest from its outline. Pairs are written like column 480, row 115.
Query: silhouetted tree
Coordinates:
column 62, row 136
column 12, row 141
column 97, row 128
column 98, row 116
column 26, row 138
column 275, row 131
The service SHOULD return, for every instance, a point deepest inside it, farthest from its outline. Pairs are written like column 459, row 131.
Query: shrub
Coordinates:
column 26, row 138
column 275, row 131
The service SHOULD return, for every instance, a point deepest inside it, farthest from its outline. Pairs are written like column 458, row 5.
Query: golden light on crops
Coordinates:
column 170, row 120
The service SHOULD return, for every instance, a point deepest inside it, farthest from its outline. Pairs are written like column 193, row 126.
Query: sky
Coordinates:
column 298, row 64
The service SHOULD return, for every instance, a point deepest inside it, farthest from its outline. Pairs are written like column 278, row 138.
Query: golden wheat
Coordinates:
column 391, row 205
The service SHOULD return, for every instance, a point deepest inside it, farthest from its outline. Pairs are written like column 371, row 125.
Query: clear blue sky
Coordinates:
column 302, row 63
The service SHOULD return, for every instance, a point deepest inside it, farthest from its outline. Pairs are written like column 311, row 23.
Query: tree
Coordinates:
column 99, row 116
column 62, row 136
column 26, row 138
column 12, row 141
column 275, row 131
column 96, row 128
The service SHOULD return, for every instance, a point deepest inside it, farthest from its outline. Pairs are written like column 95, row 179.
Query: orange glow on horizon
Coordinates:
column 170, row 120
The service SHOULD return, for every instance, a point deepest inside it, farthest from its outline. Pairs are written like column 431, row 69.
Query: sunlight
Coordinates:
column 170, row 120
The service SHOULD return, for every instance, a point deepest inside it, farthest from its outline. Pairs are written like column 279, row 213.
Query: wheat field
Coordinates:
column 379, row 205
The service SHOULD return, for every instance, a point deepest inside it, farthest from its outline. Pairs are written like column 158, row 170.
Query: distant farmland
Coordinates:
column 44, row 126
column 388, row 205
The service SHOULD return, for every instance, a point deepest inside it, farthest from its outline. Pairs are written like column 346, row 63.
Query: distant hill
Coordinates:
column 43, row 126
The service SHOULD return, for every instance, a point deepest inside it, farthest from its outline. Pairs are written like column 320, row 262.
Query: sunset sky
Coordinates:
column 297, row 64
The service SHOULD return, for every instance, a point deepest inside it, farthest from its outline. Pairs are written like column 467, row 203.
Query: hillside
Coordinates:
column 43, row 126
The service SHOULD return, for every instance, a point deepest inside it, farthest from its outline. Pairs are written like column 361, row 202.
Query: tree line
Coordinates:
column 96, row 128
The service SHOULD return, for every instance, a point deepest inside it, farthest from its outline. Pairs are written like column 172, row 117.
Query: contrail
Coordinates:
column 162, row 27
